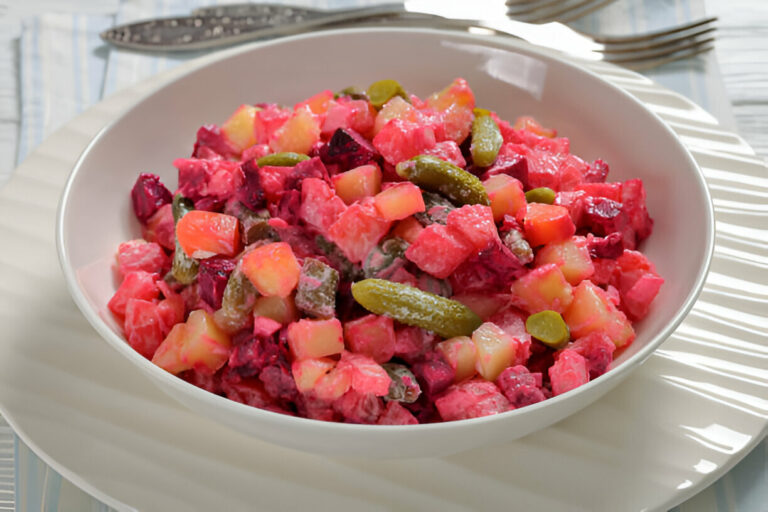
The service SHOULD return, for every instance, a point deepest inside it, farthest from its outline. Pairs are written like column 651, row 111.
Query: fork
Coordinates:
column 541, row 11
column 223, row 27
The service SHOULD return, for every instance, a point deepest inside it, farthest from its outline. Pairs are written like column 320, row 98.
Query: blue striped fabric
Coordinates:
column 67, row 47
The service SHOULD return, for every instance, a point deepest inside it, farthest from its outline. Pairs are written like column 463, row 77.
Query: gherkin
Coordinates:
column 486, row 140
column 549, row 328
column 184, row 268
column 411, row 306
column 286, row 159
column 384, row 90
column 435, row 174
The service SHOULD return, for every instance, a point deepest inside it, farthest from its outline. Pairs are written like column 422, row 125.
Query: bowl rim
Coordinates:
column 613, row 376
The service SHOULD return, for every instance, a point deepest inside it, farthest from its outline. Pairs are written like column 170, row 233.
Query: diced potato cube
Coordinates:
column 315, row 338
column 461, row 354
column 495, row 350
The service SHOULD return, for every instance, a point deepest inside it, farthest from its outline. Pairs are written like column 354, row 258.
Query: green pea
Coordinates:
column 435, row 174
column 286, row 159
column 540, row 195
column 411, row 306
column 549, row 328
column 384, row 90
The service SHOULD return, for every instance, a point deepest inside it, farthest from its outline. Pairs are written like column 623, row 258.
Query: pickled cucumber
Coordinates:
column 486, row 139
column 516, row 242
column 437, row 175
column 237, row 302
column 411, row 306
column 286, row 159
column 384, row 90
column 316, row 292
column 184, row 268
column 404, row 386
column 540, row 195
column 352, row 92
column 549, row 328
column 436, row 209
column 385, row 259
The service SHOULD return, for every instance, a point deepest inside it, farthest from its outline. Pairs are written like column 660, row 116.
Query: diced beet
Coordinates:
column 396, row 414
column 512, row 164
column 142, row 327
column 597, row 348
column 160, row 228
column 568, row 372
column 636, row 300
column 604, row 216
column 314, row 408
column 247, row 391
column 251, row 194
column 210, row 138
column 423, row 410
column 249, row 358
column 604, row 269
column 212, row 278
column 209, row 204
column 411, row 343
column 597, row 172
column 490, row 270
column 206, row 380
column 148, row 195
column 520, row 386
column 278, row 381
column 633, row 198
column 471, row 399
column 609, row 247
column 136, row 285
column 358, row 407
column 141, row 255
column 312, row 168
column 434, row 374
column 348, row 149
column 288, row 207
column 610, row 191
column 194, row 175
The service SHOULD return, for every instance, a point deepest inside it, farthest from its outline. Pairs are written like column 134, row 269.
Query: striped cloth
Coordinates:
column 64, row 68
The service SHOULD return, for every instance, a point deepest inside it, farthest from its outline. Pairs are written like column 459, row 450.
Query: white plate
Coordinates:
column 685, row 417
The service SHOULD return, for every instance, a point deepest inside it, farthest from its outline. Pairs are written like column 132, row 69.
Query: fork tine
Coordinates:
column 554, row 10
column 652, row 63
column 657, row 53
column 653, row 34
column 649, row 44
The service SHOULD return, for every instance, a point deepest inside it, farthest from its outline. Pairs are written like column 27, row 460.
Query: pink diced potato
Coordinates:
column 438, row 252
column 408, row 229
column 358, row 229
column 571, row 255
column 400, row 140
column 298, row 134
column 591, row 310
column 367, row 376
column 542, row 288
column 141, row 255
column 307, row 372
column 371, row 335
column 475, row 223
column 461, row 353
column 506, row 195
column 315, row 338
column 197, row 344
column 272, row 269
column 136, row 285
column 320, row 206
column 358, row 183
column 399, row 201
column 396, row 414
column 495, row 350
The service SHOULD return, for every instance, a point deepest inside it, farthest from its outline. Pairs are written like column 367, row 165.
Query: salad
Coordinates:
column 374, row 257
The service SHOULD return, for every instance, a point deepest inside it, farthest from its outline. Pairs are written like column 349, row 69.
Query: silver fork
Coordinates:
column 213, row 28
column 542, row 11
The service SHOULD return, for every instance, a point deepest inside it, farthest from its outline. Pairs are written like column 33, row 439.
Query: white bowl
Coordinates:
column 510, row 77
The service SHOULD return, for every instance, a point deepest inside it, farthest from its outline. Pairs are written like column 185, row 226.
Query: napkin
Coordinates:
column 64, row 68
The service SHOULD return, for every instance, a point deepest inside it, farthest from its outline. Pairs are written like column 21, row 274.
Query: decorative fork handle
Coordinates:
column 209, row 31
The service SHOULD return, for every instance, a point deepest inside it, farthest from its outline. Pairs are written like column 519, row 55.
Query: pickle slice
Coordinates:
column 411, row 306
column 316, row 291
column 549, row 328
column 486, row 139
column 184, row 268
column 384, row 90
column 435, row 174
column 286, row 159
column 404, row 386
